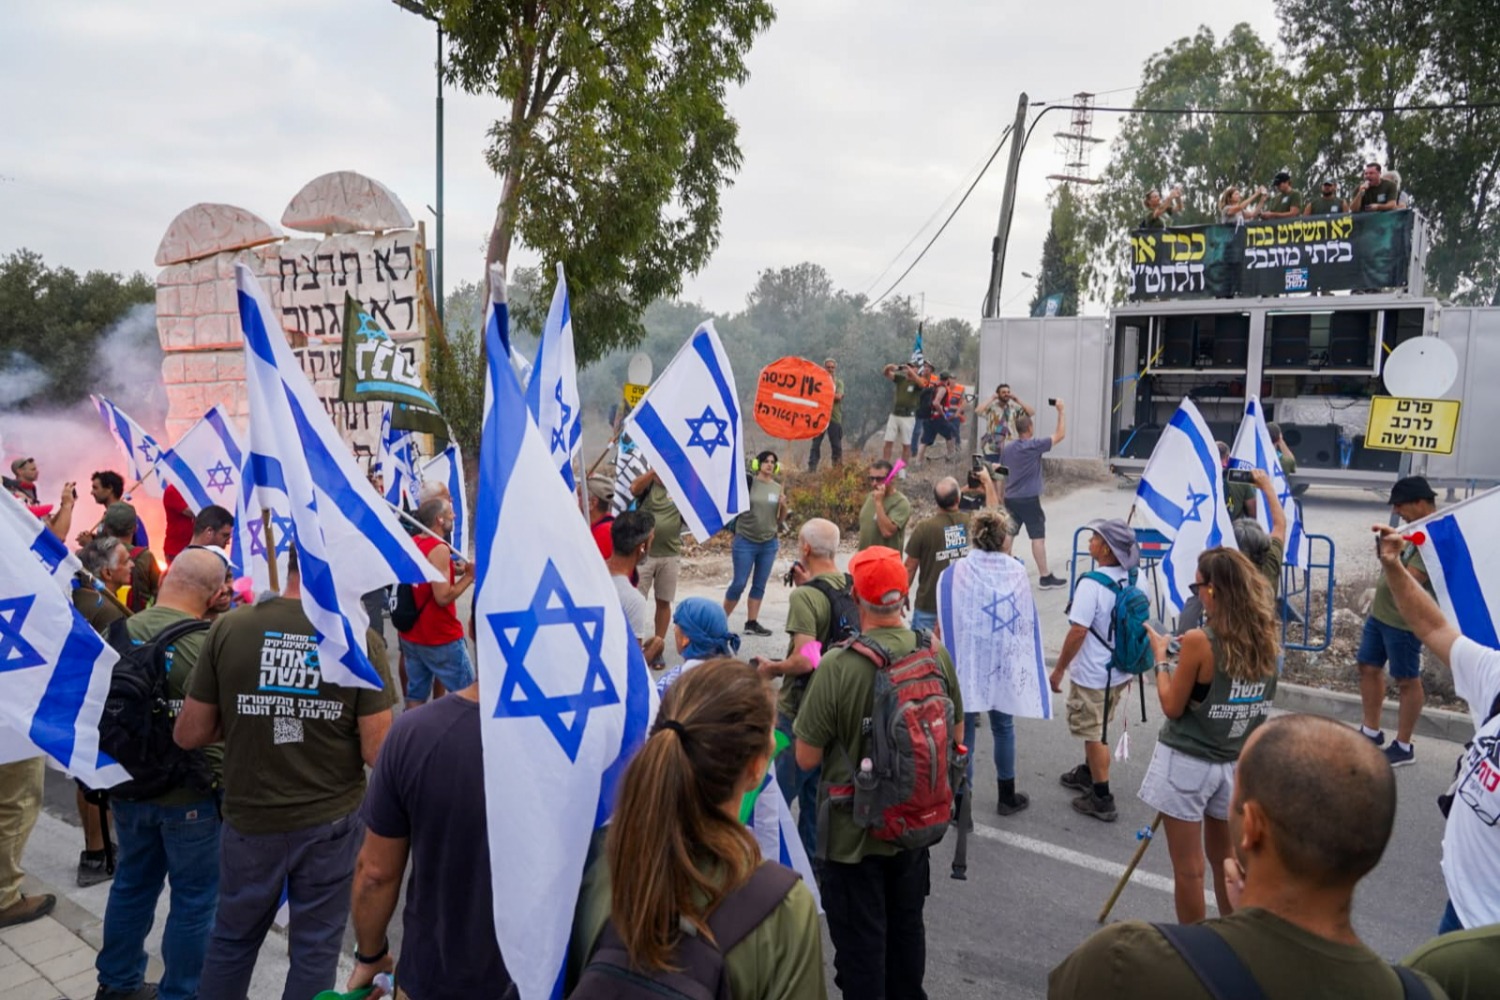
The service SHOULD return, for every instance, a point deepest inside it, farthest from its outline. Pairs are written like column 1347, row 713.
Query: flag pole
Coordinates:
column 265, row 523
column 137, row 484
column 417, row 524
column 1145, row 838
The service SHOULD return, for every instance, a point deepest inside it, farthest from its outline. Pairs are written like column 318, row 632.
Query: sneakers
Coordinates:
column 147, row 991
column 753, row 627
column 1050, row 582
column 1100, row 807
column 27, row 909
column 1012, row 805
column 1079, row 778
column 93, row 868
column 1398, row 757
column 1378, row 739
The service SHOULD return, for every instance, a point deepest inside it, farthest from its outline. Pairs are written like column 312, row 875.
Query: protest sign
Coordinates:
column 793, row 399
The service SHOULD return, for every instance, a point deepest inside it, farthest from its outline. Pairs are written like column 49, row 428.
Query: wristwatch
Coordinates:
column 1164, row 667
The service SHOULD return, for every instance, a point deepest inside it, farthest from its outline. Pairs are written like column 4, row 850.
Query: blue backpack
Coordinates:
column 1128, row 641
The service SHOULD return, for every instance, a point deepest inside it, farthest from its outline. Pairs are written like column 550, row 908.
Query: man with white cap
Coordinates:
column 1085, row 655
column 602, row 513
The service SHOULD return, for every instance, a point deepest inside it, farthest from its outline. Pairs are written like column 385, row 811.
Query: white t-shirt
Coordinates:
column 638, row 611
column 1093, row 604
column 1471, row 841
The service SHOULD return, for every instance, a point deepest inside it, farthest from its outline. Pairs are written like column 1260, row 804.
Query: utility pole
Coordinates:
column 1007, row 209
column 439, row 212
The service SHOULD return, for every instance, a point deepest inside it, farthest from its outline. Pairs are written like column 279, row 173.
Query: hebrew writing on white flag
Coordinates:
column 141, row 449
column 1253, row 450
column 1181, row 494
column 1459, row 546
column 397, row 461
column 205, row 463
column 552, row 391
column 689, row 426
column 447, row 467
column 563, row 684
column 992, row 630
column 54, row 668
column 298, row 467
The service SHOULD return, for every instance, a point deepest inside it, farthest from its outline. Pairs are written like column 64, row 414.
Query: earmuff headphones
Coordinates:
column 755, row 463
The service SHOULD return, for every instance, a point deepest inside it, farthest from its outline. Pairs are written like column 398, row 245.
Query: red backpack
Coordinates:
column 916, row 768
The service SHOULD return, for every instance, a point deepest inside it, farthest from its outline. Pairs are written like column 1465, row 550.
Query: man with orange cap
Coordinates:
column 874, row 889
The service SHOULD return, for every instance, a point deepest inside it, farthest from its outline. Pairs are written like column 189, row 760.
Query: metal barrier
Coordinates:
column 1299, row 586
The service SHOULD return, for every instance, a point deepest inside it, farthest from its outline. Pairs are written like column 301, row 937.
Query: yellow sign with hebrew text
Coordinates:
column 1416, row 425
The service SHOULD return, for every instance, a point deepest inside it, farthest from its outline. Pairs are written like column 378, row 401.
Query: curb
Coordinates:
column 71, row 915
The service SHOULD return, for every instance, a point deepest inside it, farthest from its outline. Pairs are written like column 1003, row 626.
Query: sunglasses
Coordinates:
column 1194, row 588
column 876, row 479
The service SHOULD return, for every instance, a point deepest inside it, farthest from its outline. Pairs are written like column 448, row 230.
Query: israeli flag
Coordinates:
column 447, row 467
column 688, row 424
column 630, row 465
column 205, row 463
column 552, row 392
column 348, row 541
column 1253, row 450
column 141, row 449
column 1467, row 582
column 49, row 550
column 1182, row 495
column 397, row 461
column 564, row 685
column 917, row 357
column 54, row 668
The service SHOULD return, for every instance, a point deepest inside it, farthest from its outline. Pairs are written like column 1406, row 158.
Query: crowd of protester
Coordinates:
column 1281, row 816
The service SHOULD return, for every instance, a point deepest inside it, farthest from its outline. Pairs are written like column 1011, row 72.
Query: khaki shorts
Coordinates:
column 659, row 572
column 1086, row 710
column 898, row 430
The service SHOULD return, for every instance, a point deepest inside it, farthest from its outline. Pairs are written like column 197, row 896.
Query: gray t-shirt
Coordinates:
column 638, row 611
column 1024, row 460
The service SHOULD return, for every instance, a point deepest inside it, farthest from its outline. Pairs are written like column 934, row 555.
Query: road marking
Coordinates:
column 1078, row 859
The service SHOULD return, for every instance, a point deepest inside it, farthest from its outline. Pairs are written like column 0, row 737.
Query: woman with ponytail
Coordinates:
column 678, row 860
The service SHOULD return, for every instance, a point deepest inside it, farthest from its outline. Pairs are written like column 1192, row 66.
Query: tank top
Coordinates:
column 1216, row 727
column 437, row 624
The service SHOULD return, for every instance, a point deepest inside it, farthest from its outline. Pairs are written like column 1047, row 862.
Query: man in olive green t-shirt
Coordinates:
column 902, row 422
column 1282, row 202
column 835, row 429
column 1376, row 193
column 1326, row 201
column 874, row 892
column 1388, row 639
column 660, row 570
column 176, row 834
column 938, row 543
column 886, row 511
column 1311, row 814
column 295, row 750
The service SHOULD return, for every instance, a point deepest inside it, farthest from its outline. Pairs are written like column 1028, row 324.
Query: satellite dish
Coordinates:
column 639, row 370
column 1420, row 368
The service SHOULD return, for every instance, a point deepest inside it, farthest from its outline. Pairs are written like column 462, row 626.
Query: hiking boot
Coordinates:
column 1080, row 778
column 1378, row 739
column 1010, row 805
column 1398, row 757
column 93, row 868
column 146, row 991
column 27, row 909
column 1050, row 582
column 753, row 627
column 1099, row 807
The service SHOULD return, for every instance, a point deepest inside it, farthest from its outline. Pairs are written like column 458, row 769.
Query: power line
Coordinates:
column 944, row 226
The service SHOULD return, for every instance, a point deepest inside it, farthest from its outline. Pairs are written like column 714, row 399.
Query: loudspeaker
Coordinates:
column 1349, row 340
column 1179, row 342
column 1373, row 459
column 1289, row 341
column 1231, row 341
column 1315, row 445
column 1139, row 442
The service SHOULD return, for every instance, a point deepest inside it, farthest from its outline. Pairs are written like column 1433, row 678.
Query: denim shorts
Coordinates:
column 1188, row 788
column 449, row 663
column 1381, row 644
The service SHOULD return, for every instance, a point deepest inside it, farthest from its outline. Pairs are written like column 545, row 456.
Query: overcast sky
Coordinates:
column 860, row 120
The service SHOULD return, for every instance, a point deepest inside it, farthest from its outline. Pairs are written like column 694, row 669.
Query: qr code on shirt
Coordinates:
column 286, row 731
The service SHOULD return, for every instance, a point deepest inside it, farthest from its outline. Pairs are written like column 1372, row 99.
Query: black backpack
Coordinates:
column 404, row 608
column 843, row 619
column 609, row 974
column 135, row 727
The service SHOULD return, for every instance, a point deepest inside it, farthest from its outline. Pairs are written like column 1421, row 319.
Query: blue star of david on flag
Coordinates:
column 15, row 652
column 1004, row 613
column 560, row 432
column 696, row 425
column 1195, row 501
column 220, row 477
column 520, row 695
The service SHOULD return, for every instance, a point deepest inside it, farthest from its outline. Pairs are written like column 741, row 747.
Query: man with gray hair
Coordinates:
column 106, row 564
column 435, row 647
column 822, row 612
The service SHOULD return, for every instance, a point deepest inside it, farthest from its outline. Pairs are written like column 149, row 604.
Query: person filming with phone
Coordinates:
column 1022, row 457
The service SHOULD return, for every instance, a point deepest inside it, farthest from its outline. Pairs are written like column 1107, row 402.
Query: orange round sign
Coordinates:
column 793, row 399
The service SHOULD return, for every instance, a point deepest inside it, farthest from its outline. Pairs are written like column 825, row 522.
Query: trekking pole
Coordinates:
column 1145, row 836
column 961, row 849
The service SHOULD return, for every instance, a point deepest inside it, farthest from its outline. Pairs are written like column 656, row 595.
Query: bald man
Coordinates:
column 174, row 834
column 1314, row 803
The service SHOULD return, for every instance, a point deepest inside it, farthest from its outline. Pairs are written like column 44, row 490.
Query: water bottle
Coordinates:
column 386, row 983
column 865, row 784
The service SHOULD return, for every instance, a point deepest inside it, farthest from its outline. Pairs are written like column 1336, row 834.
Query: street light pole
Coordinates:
column 438, row 277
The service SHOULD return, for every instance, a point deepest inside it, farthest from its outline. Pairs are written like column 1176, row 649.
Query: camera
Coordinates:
column 978, row 461
column 1052, row 401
